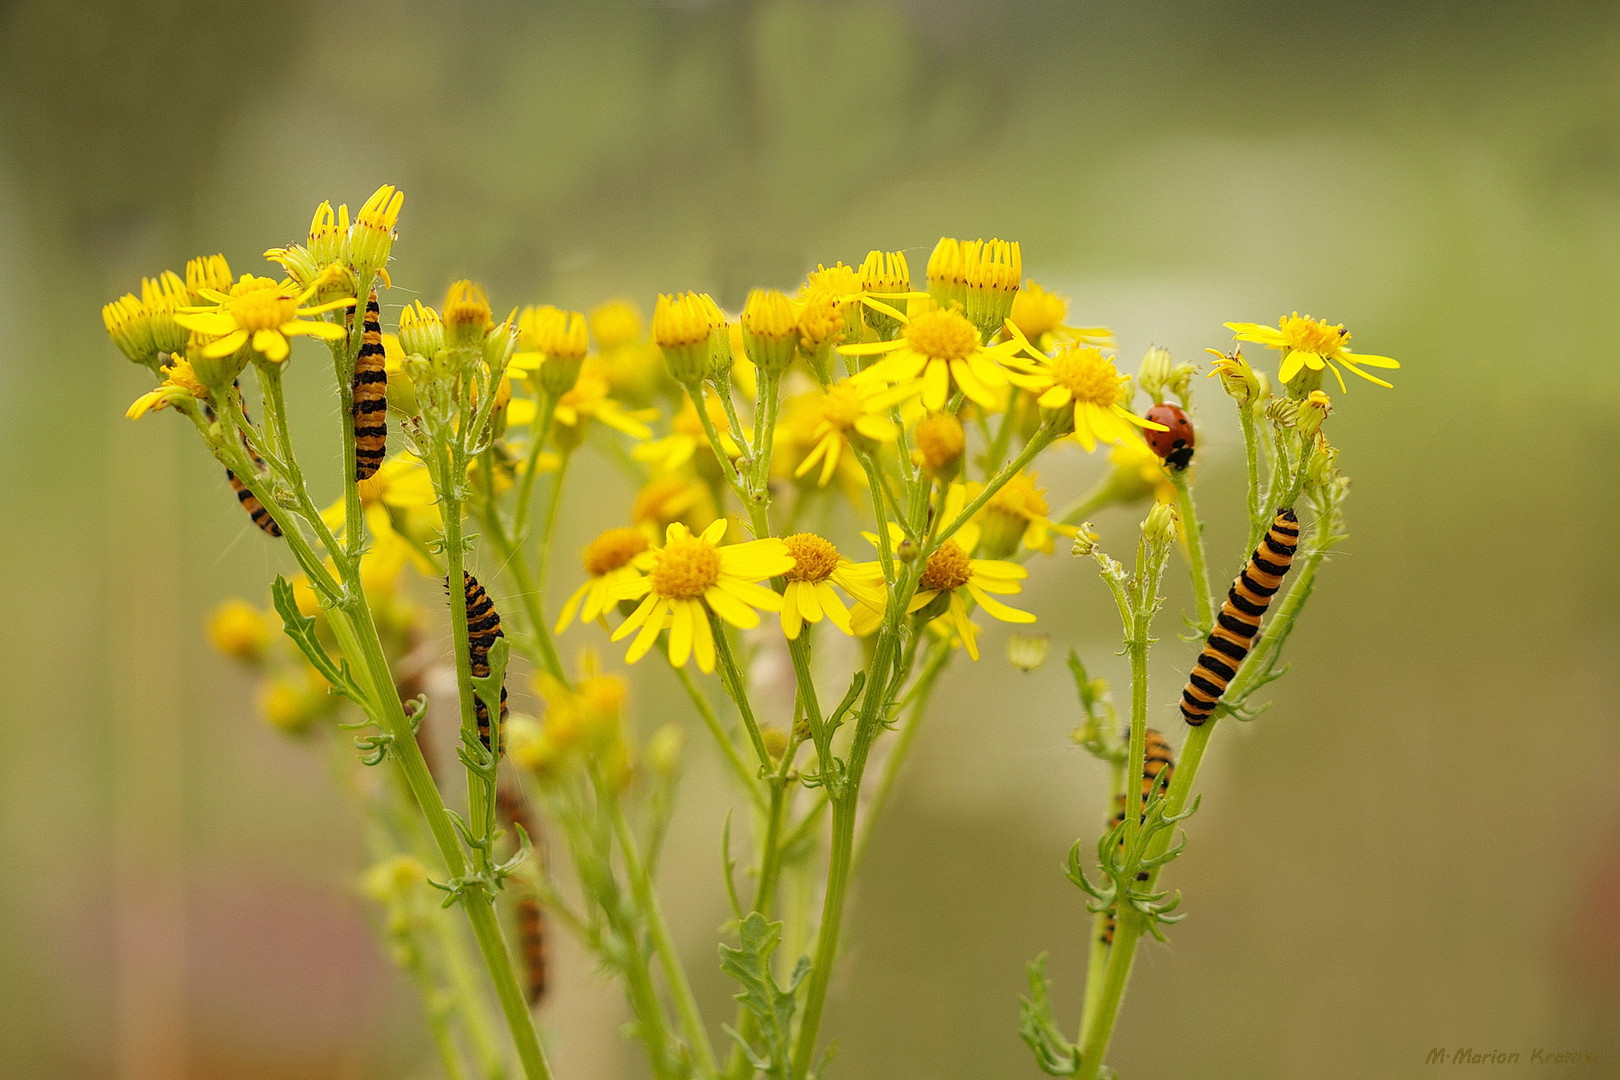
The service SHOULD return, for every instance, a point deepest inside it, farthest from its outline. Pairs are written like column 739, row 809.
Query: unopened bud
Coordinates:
column 467, row 317
column 665, row 748
column 420, row 331
column 1154, row 373
column 1085, row 541
column 1284, row 412
column 1161, row 524
column 1026, row 652
column 682, row 328
column 1312, row 411
column 770, row 331
column 940, row 442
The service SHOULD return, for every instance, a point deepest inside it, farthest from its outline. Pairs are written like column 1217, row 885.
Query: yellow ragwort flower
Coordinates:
column 692, row 576
column 261, row 314
column 207, row 272
column 1082, row 376
column 937, row 348
column 809, row 596
column 180, row 384
column 950, row 571
column 1039, row 316
column 1017, row 514
column 607, row 562
column 1311, row 344
column 848, row 409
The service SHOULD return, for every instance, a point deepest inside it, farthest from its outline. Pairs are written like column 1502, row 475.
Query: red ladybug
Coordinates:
column 1176, row 445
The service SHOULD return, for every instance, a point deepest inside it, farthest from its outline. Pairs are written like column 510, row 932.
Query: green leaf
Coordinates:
column 301, row 628
column 770, row 1005
column 1054, row 1053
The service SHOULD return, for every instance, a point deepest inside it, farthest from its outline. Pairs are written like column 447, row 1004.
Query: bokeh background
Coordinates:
column 1417, row 847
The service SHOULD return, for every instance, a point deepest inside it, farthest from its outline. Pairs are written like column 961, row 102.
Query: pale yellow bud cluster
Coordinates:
column 467, row 317
column 559, row 340
column 683, row 327
column 979, row 276
column 421, row 332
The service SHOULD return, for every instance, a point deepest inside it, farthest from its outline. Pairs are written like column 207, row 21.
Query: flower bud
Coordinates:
column 129, row 324
column 947, row 279
column 1237, row 377
column 210, row 272
column 499, row 345
column 559, row 339
column 238, row 629
column 775, row 740
column 392, row 880
column 373, row 235
column 665, row 749
column 940, row 442
column 1323, row 469
column 467, row 317
column 1284, row 412
column 682, row 328
column 1179, row 382
column 329, row 235
column 1026, row 652
column 770, row 331
column 1154, row 372
column 420, row 331
column 992, row 270
column 1312, row 411
column 1085, row 541
column 885, row 277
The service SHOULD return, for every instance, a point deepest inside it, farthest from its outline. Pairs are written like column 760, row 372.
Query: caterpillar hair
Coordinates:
column 369, row 391
column 1158, row 766
column 1239, row 619
column 483, row 627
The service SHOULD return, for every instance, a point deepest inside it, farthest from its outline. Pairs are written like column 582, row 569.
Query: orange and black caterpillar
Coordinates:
column 513, row 809
column 370, row 393
column 483, row 627
column 261, row 517
column 1158, row 763
column 1239, row 620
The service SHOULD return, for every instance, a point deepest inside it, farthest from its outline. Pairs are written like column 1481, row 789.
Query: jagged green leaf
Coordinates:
column 301, row 628
column 771, row 1006
column 1054, row 1053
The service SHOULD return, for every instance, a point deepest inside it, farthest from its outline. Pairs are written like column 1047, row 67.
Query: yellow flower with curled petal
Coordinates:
column 692, row 576
column 261, row 314
column 180, row 384
column 1081, row 376
column 939, row 347
column 810, row 597
column 1311, row 344
column 951, row 571
column 607, row 560
column 1039, row 316
column 848, row 409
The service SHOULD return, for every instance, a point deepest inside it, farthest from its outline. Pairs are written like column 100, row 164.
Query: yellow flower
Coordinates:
column 684, row 327
column 809, row 595
column 207, row 272
column 1308, row 343
column 180, row 384
column 1083, row 376
column 687, row 435
column 261, row 314
column 129, row 324
column 1237, row 377
column 979, row 276
column 886, row 283
column 615, row 324
column 607, row 560
column 399, row 504
column 691, row 576
column 939, row 442
column 1039, row 316
column 673, row 497
column 467, row 316
column 950, row 571
column 372, row 238
column 551, row 347
column 848, row 409
column 1017, row 513
column 240, row 630
column 942, row 347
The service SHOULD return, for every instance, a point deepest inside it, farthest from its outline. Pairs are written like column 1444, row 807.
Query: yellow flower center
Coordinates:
column 948, row 568
column 841, row 406
column 838, row 280
column 180, row 373
column 942, row 335
column 814, row 559
column 1019, row 498
column 258, row 303
column 612, row 550
column 1306, row 334
column 686, row 568
column 1088, row 375
column 1036, row 311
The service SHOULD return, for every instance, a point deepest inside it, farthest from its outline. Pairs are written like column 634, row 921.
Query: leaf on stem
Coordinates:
column 770, row 1005
column 1055, row 1054
column 301, row 628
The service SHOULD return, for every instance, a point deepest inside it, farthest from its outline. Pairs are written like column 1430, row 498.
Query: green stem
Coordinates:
column 658, row 934
column 733, row 478
column 1038, row 442
column 1196, row 565
column 275, row 410
column 544, row 406
column 1251, row 451
column 731, row 678
column 938, row 657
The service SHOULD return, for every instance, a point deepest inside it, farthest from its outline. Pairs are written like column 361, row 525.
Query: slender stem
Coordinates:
column 545, row 407
column 1251, row 452
column 1038, row 442
column 749, row 781
column 344, row 355
column 732, row 680
column 1196, row 566
column 275, row 409
column 658, row 934
column 938, row 657
column 695, row 392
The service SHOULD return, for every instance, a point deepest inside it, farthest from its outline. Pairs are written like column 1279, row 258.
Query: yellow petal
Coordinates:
column 749, row 593
column 792, row 621
column 703, row 642
column 936, row 385
column 680, row 633
column 271, row 345
column 996, row 609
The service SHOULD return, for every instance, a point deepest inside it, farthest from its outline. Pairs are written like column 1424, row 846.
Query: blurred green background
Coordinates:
column 1417, row 847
